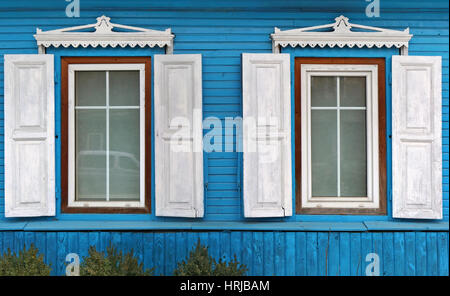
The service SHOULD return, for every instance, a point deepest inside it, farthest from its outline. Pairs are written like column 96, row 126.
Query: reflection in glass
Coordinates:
column 90, row 155
column 324, row 152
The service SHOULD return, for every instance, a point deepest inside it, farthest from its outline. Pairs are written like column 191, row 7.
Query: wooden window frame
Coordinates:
column 382, row 162
column 65, row 63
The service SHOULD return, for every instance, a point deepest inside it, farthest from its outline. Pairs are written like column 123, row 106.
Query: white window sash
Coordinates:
column 71, row 158
column 372, row 200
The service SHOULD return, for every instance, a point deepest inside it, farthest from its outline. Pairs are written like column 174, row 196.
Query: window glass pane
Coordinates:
column 90, row 88
column 323, row 91
column 352, row 91
column 124, row 88
column 124, row 145
column 353, row 153
column 90, row 155
column 324, row 152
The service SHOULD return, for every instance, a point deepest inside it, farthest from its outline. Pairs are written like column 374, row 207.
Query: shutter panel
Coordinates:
column 416, row 137
column 267, row 135
column 29, row 136
column 178, row 135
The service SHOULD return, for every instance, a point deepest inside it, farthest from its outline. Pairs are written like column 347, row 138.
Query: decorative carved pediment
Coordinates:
column 105, row 34
column 342, row 34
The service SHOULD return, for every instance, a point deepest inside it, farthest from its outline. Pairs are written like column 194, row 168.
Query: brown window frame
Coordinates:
column 65, row 62
column 381, row 63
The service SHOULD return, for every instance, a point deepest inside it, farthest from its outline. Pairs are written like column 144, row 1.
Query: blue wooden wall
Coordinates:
column 221, row 31
column 264, row 253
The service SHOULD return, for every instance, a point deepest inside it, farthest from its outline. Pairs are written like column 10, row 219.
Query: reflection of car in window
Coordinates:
column 123, row 175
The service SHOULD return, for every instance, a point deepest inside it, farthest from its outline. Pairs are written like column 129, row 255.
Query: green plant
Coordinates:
column 114, row 263
column 201, row 263
column 27, row 263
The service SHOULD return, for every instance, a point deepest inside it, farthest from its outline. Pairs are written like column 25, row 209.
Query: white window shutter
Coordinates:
column 29, row 136
column 267, row 135
column 178, row 135
column 416, row 137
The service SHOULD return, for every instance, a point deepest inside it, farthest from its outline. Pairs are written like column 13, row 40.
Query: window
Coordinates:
column 105, row 135
column 340, row 136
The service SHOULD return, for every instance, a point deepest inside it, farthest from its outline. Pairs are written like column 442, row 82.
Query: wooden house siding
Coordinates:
column 221, row 31
column 264, row 253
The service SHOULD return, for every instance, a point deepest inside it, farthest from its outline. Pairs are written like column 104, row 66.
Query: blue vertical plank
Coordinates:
column 323, row 253
column 311, row 254
column 366, row 248
column 410, row 253
column 300, row 253
column 41, row 245
column 29, row 238
column 8, row 241
column 355, row 254
column 182, row 250
column 192, row 240
column 170, row 255
column 280, row 249
column 139, row 246
column 247, row 248
column 443, row 253
column 204, row 238
column 269, row 268
column 432, row 258
column 290, row 253
column 51, row 251
column 72, row 243
column 94, row 240
column 388, row 254
column 377, row 243
column 19, row 241
column 344, row 254
column 159, row 253
column 148, row 250
column 333, row 255
column 421, row 253
column 258, row 253
column 61, row 253
column 126, row 243
column 399, row 253
column 236, row 245
column 105, row 240
column 214, row 245
column 225, row 246
column 1, row 243
column 116, row 240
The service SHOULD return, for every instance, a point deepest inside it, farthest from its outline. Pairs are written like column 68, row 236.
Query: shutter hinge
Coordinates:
column 390, row 78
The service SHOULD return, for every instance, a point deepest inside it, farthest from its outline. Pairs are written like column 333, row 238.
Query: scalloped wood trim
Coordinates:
column 104, row 36
column 341, row 36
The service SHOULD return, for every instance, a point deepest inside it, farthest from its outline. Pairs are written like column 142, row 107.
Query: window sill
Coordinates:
column 222, row 226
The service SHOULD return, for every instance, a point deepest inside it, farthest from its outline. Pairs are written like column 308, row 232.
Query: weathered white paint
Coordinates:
column 416, row 137
column 104, row 36
column 267, row 149
column 29, row 136
column 372, row 200
column 72, row 202
column 178, row 135
column 341, row 36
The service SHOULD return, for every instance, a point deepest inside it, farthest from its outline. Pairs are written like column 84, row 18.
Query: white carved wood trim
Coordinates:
column 178, row 136
column 416, row 137
column 29, row 136
column 104, row 35
column 267, row 135
column 342, row 35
